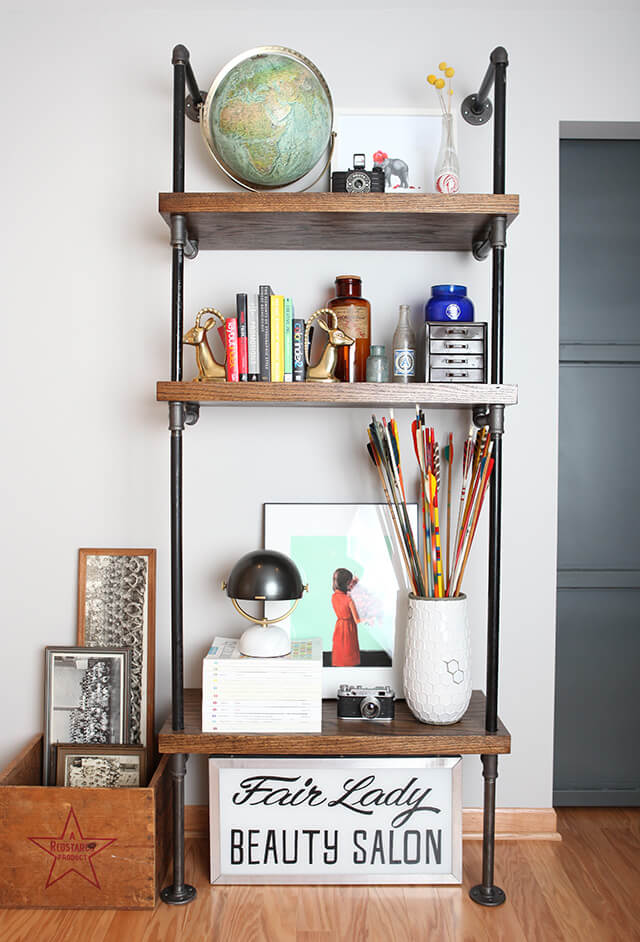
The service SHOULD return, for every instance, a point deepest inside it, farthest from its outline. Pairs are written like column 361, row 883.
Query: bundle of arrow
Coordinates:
column 425, row 570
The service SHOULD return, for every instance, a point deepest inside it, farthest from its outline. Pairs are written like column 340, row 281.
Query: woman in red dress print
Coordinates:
column 345, row 651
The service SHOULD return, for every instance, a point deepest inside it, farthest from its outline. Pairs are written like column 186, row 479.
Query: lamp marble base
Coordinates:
column 265, row 641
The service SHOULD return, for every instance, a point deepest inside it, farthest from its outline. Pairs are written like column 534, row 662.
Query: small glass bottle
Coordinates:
column 377, row 365
column 404, row 349
column 354, row 318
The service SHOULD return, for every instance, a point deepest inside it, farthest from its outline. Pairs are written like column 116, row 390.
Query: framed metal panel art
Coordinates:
column 348, row 555
column 116, row 606
column 101, row 766
column 336, row 820
column 86, row 698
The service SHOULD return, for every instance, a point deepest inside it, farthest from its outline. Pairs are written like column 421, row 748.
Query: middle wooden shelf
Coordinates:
column 445, row 395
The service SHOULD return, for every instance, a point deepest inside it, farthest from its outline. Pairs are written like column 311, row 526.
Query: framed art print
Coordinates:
column 348, row 555
column 86, row 698
column 100, row 766
column 408, row 139
column 116, row 607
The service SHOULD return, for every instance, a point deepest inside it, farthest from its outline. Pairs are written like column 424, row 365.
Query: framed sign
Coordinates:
column 336, row 820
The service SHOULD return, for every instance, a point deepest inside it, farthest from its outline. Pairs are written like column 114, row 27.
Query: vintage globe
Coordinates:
column 268, row 117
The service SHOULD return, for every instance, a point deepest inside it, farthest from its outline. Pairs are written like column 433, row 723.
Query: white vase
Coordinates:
column 437, row 660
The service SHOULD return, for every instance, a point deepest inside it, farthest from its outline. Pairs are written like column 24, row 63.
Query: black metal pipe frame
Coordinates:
column 178, row 892
column 487, row 893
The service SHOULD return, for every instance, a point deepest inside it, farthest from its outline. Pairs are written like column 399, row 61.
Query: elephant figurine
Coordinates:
column 393, row 167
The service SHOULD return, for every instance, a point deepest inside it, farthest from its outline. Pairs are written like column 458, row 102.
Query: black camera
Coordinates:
column 358, row 180
column 366, row 703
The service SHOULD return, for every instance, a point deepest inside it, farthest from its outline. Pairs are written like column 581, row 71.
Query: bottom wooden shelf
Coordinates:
column 405, row 736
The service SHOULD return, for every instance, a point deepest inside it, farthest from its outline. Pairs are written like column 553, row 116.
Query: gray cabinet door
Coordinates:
column 597, row 724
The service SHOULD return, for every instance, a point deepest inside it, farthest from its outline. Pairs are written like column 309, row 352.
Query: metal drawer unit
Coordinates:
column 455, row 353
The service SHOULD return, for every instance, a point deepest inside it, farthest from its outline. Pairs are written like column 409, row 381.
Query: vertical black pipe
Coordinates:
column 180, row 57
column 499, row 119
column 178, row 892
column 177, row 657
column 497, row 359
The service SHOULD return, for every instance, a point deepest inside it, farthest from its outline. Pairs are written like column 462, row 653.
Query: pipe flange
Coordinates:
column 192, row 110
column 471, row 113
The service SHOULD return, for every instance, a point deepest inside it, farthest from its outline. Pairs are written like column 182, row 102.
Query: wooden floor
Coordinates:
column 585, row 888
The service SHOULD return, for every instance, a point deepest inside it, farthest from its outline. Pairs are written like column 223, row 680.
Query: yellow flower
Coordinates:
column 442, row 66
column 439, row 83
column 449, row 72
column 431, row 79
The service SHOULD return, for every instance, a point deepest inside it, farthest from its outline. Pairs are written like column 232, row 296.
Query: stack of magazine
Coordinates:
column 262, row 695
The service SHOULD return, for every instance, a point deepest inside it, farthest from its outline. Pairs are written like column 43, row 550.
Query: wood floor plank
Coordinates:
column 585, row 888
column 517, row 877
column 575, row 921
column 313, row 910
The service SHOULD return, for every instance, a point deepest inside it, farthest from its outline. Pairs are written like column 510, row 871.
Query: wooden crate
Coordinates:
column 81, row 848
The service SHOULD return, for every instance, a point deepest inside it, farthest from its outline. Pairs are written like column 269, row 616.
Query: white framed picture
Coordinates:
column 357, row 598
column 336, row 820
column 405, row 142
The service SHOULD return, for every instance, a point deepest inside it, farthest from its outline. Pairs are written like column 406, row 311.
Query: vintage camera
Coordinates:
column 366, row 703
column 358, row 180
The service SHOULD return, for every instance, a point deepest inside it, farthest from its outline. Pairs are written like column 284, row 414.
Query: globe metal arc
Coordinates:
column 268, row 118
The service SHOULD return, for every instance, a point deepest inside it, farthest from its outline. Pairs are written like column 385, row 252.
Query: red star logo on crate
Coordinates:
column 72, row 852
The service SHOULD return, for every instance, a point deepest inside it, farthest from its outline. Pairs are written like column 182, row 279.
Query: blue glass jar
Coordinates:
column 448, row 303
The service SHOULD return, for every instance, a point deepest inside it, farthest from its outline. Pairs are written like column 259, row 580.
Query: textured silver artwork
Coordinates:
column 116, row 607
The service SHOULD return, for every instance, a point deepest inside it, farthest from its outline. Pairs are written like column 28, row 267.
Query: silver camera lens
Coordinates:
column 358, row 183
column 370, row 708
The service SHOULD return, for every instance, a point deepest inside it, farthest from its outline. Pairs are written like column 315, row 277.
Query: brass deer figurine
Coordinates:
column 208, row 367
column 324, row 369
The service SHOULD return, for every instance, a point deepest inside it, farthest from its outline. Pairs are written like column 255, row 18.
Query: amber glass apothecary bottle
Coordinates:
column 354, row 318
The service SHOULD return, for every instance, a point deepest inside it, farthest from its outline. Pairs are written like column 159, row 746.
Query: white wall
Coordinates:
column 86, row 105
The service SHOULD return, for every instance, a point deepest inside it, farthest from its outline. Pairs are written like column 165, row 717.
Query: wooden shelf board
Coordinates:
column 338, row 221
column 405, row 736
column 452, row 395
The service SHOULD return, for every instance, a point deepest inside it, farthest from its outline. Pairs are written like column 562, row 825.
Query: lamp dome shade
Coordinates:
column 265, row 574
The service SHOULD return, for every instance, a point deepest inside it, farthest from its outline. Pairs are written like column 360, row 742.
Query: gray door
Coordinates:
column 597, row 719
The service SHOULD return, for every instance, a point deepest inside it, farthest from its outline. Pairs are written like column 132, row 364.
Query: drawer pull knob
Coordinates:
column 457, row 346
column 461, row 373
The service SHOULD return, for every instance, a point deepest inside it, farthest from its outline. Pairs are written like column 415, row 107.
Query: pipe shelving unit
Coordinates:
column 478, row 223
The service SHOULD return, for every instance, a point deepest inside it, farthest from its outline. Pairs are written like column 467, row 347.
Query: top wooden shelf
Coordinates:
column 339, row 221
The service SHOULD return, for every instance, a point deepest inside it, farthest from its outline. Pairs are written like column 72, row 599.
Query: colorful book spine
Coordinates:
column 277, row 338
column 231, row 347
column 288, row 340
column 253, row 347
column 264, row 331
column 299, row 365
column 243, row 350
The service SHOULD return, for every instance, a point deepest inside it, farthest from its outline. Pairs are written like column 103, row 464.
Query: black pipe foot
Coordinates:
column 186, row 894
column 487, row 896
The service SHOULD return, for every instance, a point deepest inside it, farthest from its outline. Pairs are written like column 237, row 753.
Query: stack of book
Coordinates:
column 262, row 695
column 264, row 342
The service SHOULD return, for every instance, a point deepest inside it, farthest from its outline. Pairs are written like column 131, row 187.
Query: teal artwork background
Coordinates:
column 319, row 557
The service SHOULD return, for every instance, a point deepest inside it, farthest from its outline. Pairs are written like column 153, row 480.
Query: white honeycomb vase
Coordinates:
column 437, row 661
